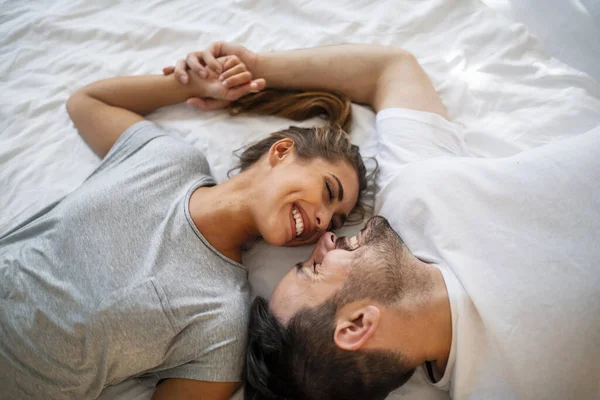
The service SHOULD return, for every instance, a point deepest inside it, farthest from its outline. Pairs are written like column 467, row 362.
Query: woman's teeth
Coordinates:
column 354, row 242
column 298, row 219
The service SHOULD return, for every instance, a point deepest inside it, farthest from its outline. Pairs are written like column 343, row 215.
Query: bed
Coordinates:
column 497, row 80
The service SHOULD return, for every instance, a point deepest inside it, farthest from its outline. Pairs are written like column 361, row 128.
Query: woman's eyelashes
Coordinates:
column 336, row 222
column 329, row 191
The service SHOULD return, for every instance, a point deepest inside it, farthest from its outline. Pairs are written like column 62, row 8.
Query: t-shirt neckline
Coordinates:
column 203, row 182
column 454, row 291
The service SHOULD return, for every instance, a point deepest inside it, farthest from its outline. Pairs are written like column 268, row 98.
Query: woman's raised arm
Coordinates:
column 104, row 109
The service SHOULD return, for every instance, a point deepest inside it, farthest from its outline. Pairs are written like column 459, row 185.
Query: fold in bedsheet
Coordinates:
column 494, row 77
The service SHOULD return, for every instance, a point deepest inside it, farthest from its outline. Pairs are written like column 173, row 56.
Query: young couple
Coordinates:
column 138, row 272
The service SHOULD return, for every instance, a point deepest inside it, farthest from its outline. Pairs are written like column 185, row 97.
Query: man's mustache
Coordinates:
column 343, row 243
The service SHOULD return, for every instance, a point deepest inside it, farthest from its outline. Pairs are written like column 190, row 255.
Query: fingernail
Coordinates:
column 202, row 74
column 219, row 70
column 224, row 83
column 221, row 77
column 254, row 86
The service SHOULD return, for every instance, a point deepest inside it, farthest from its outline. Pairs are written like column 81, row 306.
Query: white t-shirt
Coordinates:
column 518, row 242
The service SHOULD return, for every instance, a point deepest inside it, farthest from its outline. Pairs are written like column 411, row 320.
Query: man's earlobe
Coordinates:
column 280, row 150
column 353, row 331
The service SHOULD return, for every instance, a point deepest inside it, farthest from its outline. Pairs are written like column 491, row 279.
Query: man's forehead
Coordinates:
column 283, row 301
column 283, row 309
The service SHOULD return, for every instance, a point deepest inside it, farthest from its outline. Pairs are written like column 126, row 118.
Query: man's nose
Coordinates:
column 329, row 241
column 325, row 244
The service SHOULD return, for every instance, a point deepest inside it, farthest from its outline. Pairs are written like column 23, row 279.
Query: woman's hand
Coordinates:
column 234, row 82
column 207, row 63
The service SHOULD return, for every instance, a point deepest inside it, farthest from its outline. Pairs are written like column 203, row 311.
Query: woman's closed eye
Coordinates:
column 329, row 191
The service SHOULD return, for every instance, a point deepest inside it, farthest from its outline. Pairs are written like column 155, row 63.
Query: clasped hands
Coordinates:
column 227, row 69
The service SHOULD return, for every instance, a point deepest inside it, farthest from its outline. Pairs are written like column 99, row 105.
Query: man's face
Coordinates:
column 367, row 265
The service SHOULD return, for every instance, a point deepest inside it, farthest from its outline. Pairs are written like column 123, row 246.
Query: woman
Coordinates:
column 280, row 362
column 138, row 272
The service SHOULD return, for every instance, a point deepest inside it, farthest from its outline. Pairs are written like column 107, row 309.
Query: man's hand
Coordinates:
column 234, row 82
column 208, row 63
column 378, row 76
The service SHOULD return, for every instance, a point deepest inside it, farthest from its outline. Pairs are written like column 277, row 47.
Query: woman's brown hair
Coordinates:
column 330, row 142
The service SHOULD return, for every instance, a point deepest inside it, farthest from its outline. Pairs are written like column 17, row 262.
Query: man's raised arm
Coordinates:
column 378, row 76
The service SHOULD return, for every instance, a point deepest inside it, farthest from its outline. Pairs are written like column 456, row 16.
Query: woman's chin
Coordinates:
column 294, row 243
column 299, row 241
column 281, row 240
column 277, row 240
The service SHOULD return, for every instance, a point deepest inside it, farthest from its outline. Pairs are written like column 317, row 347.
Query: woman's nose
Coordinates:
column 322, row 219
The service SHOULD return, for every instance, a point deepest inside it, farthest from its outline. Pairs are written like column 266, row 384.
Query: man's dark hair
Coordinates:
column 302, row 361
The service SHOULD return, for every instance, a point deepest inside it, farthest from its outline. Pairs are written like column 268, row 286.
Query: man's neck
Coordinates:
column 423, row 320
column 441, row 322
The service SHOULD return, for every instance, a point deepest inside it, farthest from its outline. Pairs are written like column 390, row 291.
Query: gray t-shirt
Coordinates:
column 116, row 281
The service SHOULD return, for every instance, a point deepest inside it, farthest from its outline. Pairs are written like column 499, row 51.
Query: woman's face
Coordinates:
column 303, row 198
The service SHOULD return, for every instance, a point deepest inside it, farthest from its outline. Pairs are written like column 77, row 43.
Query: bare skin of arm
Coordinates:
column 378, row 76
column 103, row 110
column 188, row 389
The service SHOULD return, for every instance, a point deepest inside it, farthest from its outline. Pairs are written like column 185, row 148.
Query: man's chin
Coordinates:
column 375, row 221
column 374, row 228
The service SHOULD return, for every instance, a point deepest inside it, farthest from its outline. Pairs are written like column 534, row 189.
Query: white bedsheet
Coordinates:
column 568, row 29
column 494, row 77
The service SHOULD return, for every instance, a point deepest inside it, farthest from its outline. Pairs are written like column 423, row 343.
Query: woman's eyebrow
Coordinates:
column 340, row 188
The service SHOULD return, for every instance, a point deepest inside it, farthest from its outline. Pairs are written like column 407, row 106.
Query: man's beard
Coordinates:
column 376, row 229
column 377, row 271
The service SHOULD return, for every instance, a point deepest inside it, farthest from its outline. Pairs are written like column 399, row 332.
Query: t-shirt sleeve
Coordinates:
column 134, row 138
column 406, row 136
column 221, row 363
column 215, row 368
column 220, row 352
column 152, row 145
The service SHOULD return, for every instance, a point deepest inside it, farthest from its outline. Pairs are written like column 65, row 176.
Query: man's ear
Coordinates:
column 355, row 328
column 280, row 150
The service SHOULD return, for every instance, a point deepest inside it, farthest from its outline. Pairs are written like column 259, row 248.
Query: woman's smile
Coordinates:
column 299, row 221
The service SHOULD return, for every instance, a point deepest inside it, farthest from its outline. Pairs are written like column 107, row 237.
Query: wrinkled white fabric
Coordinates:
column 494, row 77
column 516, row 241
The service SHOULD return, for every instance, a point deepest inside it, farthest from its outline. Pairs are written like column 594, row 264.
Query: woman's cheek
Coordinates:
column 311, row 240
column 269, row 227
column 315, row 237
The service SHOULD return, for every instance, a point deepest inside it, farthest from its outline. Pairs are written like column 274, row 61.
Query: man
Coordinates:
column 492, row 290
